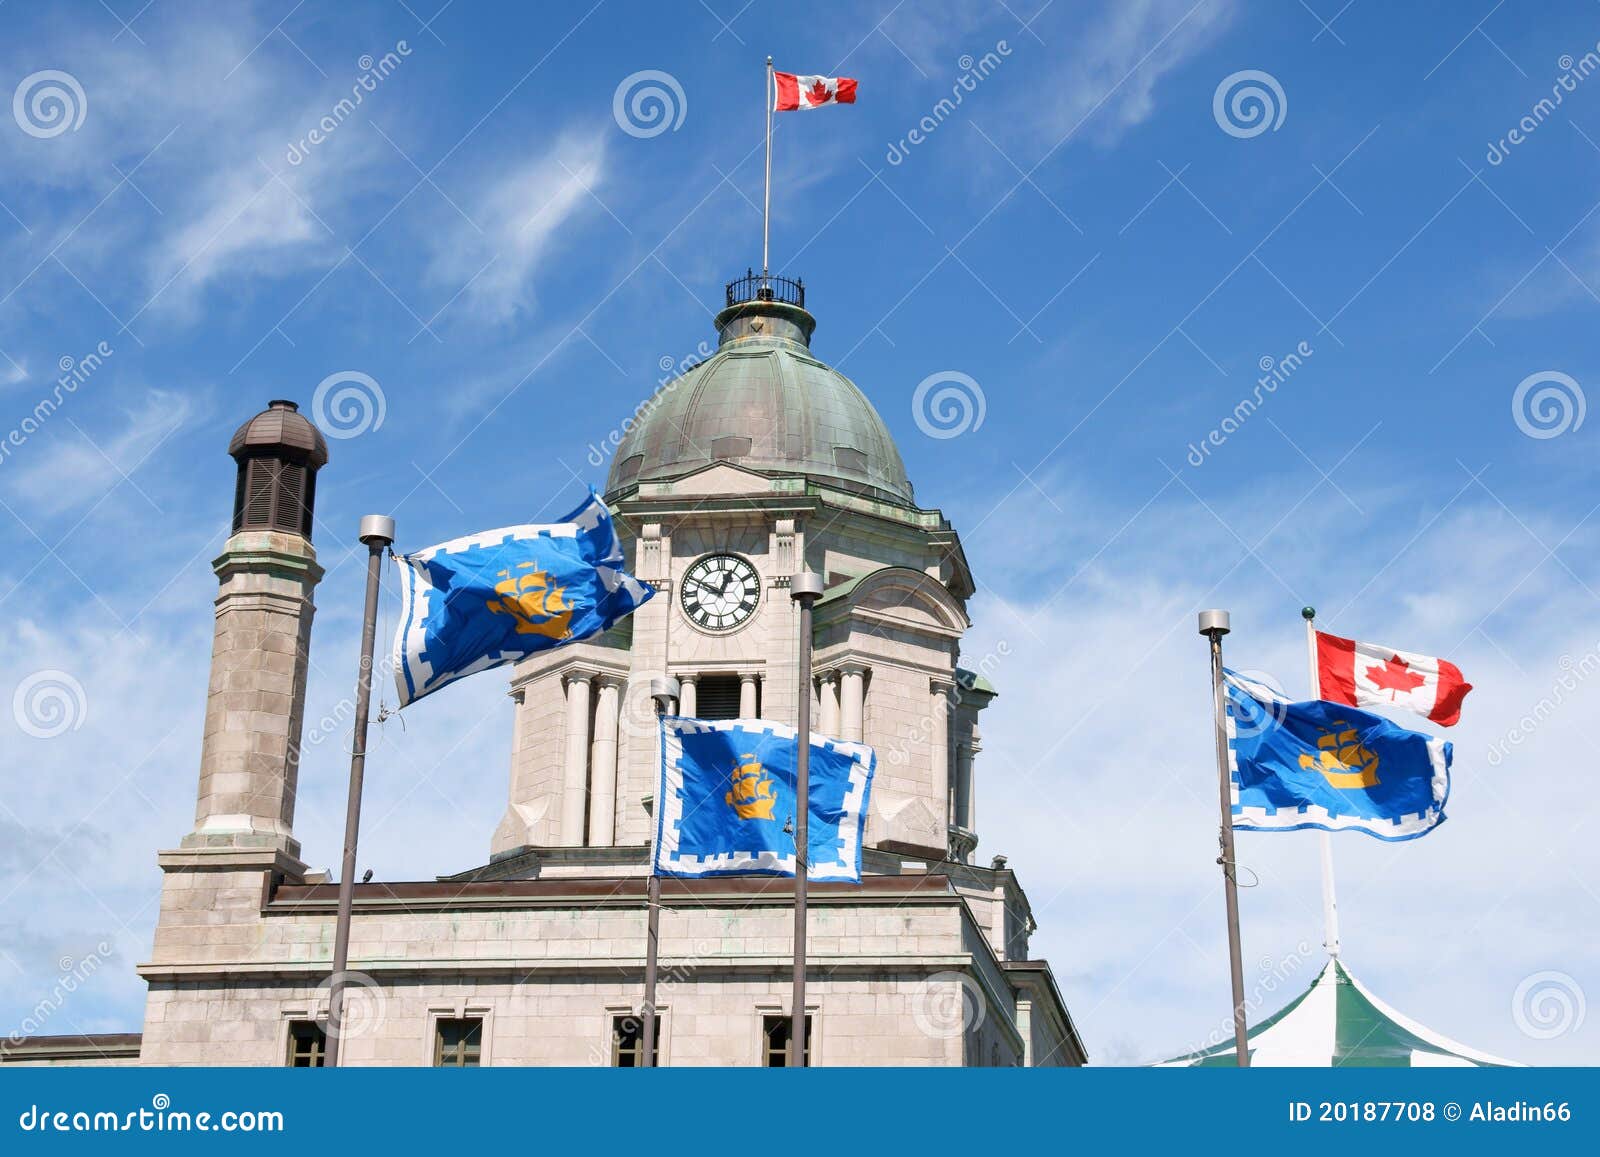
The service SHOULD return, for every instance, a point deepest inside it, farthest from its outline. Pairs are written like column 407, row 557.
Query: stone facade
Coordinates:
column 926, row 962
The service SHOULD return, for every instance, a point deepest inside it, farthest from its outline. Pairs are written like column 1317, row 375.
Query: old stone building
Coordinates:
column 756, row 464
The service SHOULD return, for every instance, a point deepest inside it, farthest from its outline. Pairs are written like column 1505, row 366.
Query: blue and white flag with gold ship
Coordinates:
column 1325, row 765
column 492, row 598
column 725, row 800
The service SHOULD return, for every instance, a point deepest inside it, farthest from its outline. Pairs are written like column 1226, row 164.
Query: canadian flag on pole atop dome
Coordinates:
column 1369, row 675
column 791, row 92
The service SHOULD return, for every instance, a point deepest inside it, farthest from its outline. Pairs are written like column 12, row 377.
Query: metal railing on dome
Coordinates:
column 767, row 287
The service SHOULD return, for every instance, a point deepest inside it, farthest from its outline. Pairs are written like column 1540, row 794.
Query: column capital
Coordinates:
column 852, row 667
column 941, row 684
column 609, row 680
column 749, row 676
column 568, row 678
column 687, row 677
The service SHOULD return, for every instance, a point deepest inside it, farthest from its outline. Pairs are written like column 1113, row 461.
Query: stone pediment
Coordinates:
column 900, row 596
column 721, row 478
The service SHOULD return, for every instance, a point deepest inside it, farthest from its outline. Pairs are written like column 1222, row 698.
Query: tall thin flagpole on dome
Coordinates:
column 1330, row 900
column 766, row 200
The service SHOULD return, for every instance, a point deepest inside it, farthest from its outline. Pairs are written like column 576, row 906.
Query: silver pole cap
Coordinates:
column 805, row 585
column 664, row 689
column 1214, row 623
column 376, row 528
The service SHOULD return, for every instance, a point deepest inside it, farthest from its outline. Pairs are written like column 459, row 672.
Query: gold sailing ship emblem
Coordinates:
column 539, row 606
column 752, row 796
column 1343, row 759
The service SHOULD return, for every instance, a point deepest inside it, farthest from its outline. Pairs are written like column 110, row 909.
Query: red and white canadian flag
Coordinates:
column 1369, row 675
column 793, row 92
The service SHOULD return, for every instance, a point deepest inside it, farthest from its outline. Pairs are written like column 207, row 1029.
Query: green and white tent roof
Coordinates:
column 1337, row 1022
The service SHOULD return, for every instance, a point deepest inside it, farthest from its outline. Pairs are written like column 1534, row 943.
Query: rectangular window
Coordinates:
column 627, row 1042
column 458, row 1042
column 308, row 1044
column 775, row 1042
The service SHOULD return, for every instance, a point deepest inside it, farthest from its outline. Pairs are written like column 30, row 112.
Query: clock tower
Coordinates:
column 754, row 465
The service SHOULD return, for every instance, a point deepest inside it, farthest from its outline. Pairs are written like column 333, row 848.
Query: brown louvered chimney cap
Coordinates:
column 283, row 431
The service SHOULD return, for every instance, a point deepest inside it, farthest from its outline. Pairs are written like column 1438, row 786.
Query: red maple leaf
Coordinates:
column 818, row 93
column 1395, row 676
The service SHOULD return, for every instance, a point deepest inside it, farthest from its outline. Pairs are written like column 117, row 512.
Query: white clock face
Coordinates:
column 720, row 592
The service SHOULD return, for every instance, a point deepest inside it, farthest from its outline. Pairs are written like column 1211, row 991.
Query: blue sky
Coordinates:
column 1105, row 255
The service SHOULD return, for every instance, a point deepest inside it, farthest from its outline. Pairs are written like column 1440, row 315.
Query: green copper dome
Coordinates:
column 764, row 403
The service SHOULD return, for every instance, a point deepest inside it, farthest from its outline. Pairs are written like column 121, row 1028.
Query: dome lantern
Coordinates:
column 279, row 453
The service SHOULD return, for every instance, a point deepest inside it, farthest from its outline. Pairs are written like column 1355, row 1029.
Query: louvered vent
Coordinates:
column 718, row 697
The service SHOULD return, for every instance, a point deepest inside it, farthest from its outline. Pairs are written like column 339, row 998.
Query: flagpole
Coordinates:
column 766, row 200
column 804, row 588
column 377, row 532
column 1330, row 902
column 663, row 692
column 1213, row 625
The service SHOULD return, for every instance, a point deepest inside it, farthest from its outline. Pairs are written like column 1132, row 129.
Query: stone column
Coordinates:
column 575, row 785
column 939, row 742
column 973, row 747
column 250, row 753
column 603, row 760
column 852, row 700
column 963, row 791
column 688, row 695
column 828, row 708
column 747, row 695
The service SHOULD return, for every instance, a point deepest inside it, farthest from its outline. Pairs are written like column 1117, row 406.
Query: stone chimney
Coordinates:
column 249, row 757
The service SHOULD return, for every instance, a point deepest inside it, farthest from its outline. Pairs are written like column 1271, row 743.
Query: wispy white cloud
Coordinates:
column 66, row 467
column 491, row 261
